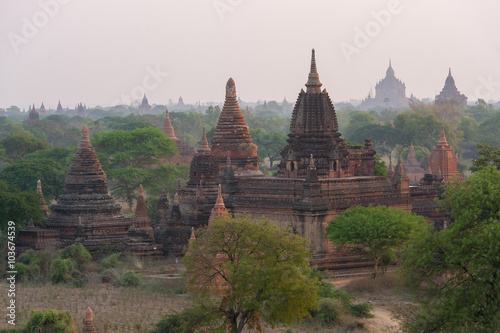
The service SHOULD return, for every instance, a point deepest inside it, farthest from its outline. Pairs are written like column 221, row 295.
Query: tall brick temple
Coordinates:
column 87, row 214
column 232, row 138
column 318, row 178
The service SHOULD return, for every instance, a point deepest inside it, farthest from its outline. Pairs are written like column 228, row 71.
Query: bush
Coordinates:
column 79, row 282
column 110, row 276
column 22, row 271
column 325, row 289
column 77, row 253
column 169, row 323
column 61, row 269
column 199, row 318
column 130, row 279
column 50, row 321
column 38, row 262
column 328, row 311
column 361, row 310
column 112, row 261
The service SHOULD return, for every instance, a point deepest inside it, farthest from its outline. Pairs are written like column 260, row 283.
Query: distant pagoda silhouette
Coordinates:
column 390, row 92
column 450, row 93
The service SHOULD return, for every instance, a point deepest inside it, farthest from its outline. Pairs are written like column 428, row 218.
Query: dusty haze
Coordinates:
column 108, row 52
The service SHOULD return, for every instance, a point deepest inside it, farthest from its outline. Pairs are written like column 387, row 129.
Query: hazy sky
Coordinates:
column 102, row 52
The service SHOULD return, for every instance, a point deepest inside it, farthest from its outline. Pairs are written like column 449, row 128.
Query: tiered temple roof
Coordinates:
column 232, row 135
column 219, row 208
column 443, row 159
column 42, row 110
column 413, row 169
column 80, row 110
column 168, row 129
column 450, row 93
column 86, row 198
column 33, row 114
column 145, row 107
column 313, row 130
column 43, row 204
column 390, row 91
column 59, row 109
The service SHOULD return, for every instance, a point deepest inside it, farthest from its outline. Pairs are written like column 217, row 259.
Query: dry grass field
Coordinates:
column 121, row 309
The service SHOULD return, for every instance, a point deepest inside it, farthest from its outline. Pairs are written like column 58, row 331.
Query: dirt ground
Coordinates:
column 118, row 309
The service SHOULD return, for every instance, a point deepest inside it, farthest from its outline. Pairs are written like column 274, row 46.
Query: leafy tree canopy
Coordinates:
column 262, row 270
column 135, row 148
column 377, row 230
column 62, row 155
column 358, row 120
column 269, row 144
column 17, row 145
column 25, row 174
column 422, row 130
column 455, row 272
column 468, row 126
column 488, row 131
column 486, row 156
column 18, row 206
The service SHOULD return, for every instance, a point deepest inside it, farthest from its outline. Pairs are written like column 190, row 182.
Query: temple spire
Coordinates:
column 311, row 163
column 168, row 129
column 89, row 322
column 43, row 204
column 140, row 209
column 219, row 208
column 231, row 134
column 193, row 236
column 442, row 139
column 313, row 84
column 204, row 147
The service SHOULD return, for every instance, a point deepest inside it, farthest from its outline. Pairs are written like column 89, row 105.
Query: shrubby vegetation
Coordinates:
column 46, row 321
column 376, row 232
column 455, row 273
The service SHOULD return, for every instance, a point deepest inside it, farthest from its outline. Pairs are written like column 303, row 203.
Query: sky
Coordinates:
column 108, row 52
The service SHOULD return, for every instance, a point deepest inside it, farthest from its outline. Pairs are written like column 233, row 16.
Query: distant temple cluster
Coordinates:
column 391, row 92
column 319, row 177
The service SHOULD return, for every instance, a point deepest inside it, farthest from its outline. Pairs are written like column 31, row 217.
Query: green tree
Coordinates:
column 213, row 114
column 25, row 174
column 422, row 130
column 261, row 278
column 486, row 156
column 468, row 126
column 269, row 144
column 128, row 156
column 17, row 145
column 77, row 253
column 481, row 111
column 376, row 230
column 358, row 120
column 18, row 206
column 380, row 167
column 135, row 148
column 384, row 137
column 455, row 272
column 61, row 155
column 51, row 321
column 488, row 131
